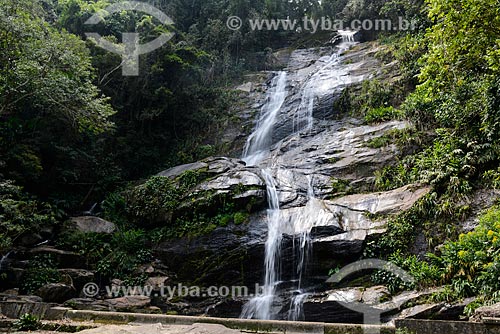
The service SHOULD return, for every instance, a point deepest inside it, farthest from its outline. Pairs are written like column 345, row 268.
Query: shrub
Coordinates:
column 340, row 187
column 27, row 322
column 382, row 114
column 424, row 273
column 114, row 208
column 42, row 270
column 91, row 246
column 20, row 213
column 472, row 264
column 154, row 198
column 127, row 250
column 240, row 218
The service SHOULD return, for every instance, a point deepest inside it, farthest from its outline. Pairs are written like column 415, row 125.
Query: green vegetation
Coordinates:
column 42, row 270
column 158, row 202
column 373, row 100
column 21, row 213
column 27, row 322
column 404, row 331
column 340, row 187
column 74, row 132
column 456, row 101
column 425, row 274
column 467, row 267
column 382, row 114
column 471, row 263
column 113, row 256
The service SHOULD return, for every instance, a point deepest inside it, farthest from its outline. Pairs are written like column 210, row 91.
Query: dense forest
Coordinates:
column 74, row 131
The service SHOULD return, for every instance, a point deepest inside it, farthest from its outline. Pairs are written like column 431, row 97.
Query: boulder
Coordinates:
column 79, row 277
column 89, row 224
column 492, row 311
column 223, row 181
column 20, row 298
column 157, row 282
column 374, row 295
column 128, row 303
column 453, row 312
column 178, row 170
column 383, row 203
column 122, row 304
column 10, row 292
column 56, row 293
column 87, row 304
column 347, row 295
column 423, row 311
column 65, row 259
column 30, row 239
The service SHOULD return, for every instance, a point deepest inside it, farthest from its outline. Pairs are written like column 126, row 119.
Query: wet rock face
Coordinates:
column 224, row 180
column 333, row 150
column 56, row 292
column 234, row 254
column 329, row 79
column 229, row 255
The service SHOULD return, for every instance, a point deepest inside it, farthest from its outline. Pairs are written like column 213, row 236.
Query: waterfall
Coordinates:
column 260, row 140
column 3, row 260
column 296, row 306
column 260, row 307
column 256, row 148
column 299, row 226
column 304, row 120
column 300, row 223
column 348, row 35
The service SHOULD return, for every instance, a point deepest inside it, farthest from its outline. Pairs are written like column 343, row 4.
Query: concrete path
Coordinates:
column 162, row 329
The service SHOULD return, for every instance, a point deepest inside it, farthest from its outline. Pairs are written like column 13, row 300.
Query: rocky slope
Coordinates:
column 331, row 159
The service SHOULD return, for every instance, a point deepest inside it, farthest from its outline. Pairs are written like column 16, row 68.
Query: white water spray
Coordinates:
column 3, row 260
column 259, row 142
column 299, row 224
column 260, row 307
column 320, row 81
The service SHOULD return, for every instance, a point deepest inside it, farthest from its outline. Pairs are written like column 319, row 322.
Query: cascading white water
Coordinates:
column 260, row 140
column 256, row 149
column 348, row 35
column 314, row 85
column 4, row 259
column 299, row 224
column 296, row 311
column 260, row 307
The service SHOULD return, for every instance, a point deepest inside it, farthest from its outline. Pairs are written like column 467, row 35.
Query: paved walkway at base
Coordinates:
column 149, row 329
column 161, row 329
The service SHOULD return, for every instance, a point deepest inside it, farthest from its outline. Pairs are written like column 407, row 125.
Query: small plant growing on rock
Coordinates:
column 27, row 322
column 240, row 218
column 404, row 331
